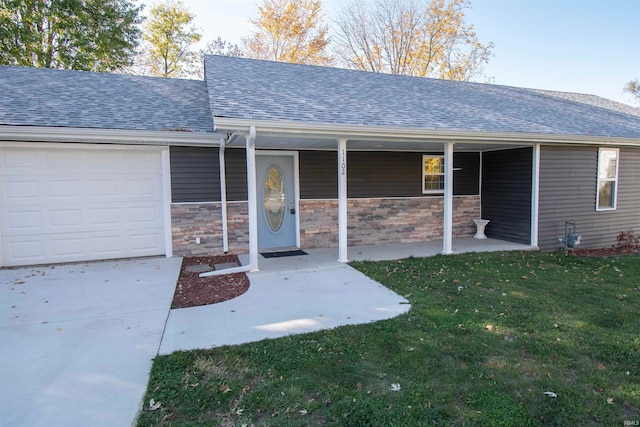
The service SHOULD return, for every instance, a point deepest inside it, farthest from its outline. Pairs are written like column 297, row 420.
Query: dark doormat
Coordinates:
column 282, row 254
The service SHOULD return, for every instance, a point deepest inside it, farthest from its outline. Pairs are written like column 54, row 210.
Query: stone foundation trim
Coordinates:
column 204, row 220
column 370, row 221
column 385, row 220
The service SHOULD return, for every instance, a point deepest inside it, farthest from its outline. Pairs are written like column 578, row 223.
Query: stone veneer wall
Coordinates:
column 385, row 220
column 204, row 220
column 370, row 221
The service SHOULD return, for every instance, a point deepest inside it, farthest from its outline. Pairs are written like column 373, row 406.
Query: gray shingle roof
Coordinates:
column 61, row 98
column 274, row 91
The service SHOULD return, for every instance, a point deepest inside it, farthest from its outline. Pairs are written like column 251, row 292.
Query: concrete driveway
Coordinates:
column 77, row 340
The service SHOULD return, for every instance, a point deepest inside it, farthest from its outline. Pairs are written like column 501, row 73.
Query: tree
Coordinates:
column 96, row 35
column 221, row 47
column 169, row 35
column 218, row 46
column 289, row 31
column 413, row 37
column 633, row 88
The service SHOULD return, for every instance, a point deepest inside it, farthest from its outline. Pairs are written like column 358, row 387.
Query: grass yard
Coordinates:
column 510, row 339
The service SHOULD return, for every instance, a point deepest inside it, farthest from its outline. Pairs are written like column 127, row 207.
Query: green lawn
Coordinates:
column 487, row 336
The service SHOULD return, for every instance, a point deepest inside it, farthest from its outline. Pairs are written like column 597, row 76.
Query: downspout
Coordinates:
column 223, row 196
column 253, row 212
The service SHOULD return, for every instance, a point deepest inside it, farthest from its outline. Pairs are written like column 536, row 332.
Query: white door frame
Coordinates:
column 296, row 182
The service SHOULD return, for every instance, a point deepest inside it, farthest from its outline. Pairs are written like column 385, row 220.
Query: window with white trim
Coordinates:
column 432, row 174
column 607, row 179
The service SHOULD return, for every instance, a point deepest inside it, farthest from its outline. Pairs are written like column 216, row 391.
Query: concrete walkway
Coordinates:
column 305, row 293
column 77, row 340
column 283, row 301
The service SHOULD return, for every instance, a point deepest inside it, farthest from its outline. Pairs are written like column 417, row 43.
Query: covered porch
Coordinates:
column 335, row 148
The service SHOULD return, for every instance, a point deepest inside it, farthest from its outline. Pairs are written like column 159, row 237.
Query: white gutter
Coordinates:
column 109, row 136
column 311, row 130
column 223, row 197
column 253, row 212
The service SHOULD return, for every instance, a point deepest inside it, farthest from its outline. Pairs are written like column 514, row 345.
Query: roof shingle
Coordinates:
column 63, row 98
column 275, row 91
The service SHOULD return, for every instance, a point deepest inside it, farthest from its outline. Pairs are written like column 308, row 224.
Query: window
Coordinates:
column 607, row 179
column 432, row 174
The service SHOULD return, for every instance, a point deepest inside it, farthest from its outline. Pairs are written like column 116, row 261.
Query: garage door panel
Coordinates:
column 23, row 251
column 21, row 159
column 25, row 220
column 20, row 190
column 78, row 204
column 143, row 241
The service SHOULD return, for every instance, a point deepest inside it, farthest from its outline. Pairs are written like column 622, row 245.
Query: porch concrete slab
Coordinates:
column 383, row 252
column 284, row 301
column 78, row 340
column 393, row 251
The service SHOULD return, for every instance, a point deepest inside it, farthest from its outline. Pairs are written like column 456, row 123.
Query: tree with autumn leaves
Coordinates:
column 425, row 38
column 289, row 31
column 411, row 37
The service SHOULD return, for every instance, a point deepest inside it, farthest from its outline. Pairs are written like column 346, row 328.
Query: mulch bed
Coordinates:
column 193, row 291
column 601, row 252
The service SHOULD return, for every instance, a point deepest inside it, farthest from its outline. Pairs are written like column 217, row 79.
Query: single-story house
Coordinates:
column 265, row 155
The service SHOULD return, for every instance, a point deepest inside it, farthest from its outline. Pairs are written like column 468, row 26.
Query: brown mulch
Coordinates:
column 193, row 291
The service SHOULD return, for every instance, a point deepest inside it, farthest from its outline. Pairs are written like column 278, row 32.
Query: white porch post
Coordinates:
column 223, row 196
column 447, row 234
column 535, row 194
column 252, row 196
column 342, row 200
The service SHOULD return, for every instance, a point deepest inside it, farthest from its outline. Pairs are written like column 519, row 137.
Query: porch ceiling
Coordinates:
column 288, row 142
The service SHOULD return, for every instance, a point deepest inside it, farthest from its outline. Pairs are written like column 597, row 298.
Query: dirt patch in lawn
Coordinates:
column 193, row 291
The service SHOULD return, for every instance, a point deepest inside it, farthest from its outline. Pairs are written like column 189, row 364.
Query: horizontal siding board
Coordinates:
column 318, row 174
column 379, row 174
column 568, row 193
column 195, row 174
column 466, row 179
column 384, row 174
column 236, row 174
column 506, row 194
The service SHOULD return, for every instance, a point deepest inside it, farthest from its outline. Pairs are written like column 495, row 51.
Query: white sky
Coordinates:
column 585, row 46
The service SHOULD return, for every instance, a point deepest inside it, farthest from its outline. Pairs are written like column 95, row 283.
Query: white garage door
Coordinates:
column 62, row 205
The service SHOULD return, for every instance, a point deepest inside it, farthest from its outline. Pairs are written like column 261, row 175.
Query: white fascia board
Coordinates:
column 301, row 129
column 107, row 136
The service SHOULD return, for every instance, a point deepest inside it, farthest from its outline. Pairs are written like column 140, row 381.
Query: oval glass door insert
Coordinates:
column 274, row 198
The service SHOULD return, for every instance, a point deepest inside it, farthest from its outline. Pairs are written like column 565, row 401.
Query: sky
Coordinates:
column 584, row 46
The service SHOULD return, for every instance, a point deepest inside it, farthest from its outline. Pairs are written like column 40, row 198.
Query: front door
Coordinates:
column 276, row 201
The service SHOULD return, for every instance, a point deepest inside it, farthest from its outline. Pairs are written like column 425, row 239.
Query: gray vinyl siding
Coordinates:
column 195, row 174
column 379, row 174
column 384, row 174
column 506, row 194
column 318, row 174
column 236, row 174
column 466, row 174
column 568, row 180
